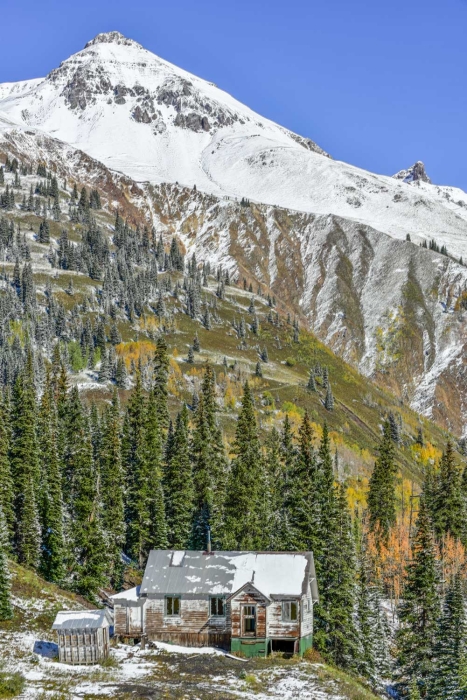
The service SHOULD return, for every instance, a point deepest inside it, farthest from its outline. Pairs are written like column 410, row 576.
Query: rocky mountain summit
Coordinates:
column 373, row 266
column 416, row 173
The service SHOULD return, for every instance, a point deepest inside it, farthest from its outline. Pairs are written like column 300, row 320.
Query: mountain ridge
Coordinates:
column 347, row 248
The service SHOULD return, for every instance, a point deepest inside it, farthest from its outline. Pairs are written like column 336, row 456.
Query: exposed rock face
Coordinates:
column 112, row 38
column 414, row 174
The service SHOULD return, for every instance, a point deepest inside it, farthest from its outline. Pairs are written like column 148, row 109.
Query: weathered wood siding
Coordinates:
column 81, row 647
column 306, row 623
column 277, row 627
column 128, row 619
column 193, row 627
column 248, row 596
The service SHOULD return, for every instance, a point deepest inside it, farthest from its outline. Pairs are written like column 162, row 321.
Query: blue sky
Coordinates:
column 379, row 85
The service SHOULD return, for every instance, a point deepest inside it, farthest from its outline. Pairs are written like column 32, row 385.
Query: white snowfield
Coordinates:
column 154, row 122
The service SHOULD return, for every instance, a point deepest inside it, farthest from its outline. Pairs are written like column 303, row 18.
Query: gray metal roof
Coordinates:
column 82, row 619
column 172, row 572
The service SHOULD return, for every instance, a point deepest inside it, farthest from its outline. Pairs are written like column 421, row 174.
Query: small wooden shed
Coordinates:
column 83, row 635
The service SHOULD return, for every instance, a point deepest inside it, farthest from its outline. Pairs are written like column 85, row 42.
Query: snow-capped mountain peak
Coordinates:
column 157, row 123
column 416, row 173
column 112, row 38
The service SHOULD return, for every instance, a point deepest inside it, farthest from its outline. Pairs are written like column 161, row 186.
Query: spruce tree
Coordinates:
column 382, row 496
column 244, row 484
column 6, row 481
column 112, row 489
column 419, row 608
column 336, row 633
column 161, row 375
column 6, row 609
column 449, row 507
column 303, row 507
column 209, row 468
column 450, row 647
column 276, row 492
column 24, row 460
column 374, row 659
column 178, row 487
column 329, row 399
column 52, row 565
column 134, row 449
column 285, row 535
column 89, row 563
column 157, row 532
column 311, row 386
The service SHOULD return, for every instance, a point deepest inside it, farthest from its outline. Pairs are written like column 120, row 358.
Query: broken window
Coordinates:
column 289, row 611
column 218, row 607
column 249, row 619
column 172, row 605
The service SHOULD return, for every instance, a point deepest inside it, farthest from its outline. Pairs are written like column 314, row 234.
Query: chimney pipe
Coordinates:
column 208, row 543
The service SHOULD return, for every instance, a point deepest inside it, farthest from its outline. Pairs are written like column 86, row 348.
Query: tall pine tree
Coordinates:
column 419, row 609
column 244, row 494
column 6, row 610
column 382, row 494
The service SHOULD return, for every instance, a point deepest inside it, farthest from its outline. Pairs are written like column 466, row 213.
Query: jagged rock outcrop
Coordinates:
column 416, row 173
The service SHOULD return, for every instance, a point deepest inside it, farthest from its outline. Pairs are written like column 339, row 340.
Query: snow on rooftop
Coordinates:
column 130, row 594
column 224, row 573
column 82, row 619
column 177, row 557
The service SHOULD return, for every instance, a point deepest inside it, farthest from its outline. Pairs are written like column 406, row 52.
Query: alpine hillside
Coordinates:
column 373, row 263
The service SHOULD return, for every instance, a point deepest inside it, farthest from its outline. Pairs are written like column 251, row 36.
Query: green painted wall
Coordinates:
column 305, row 643
column 249, row 647
column 260, row 647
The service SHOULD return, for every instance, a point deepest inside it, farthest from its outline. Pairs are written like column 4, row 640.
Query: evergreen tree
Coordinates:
column 329, row 399
column 244, row 493
column 6, row 609
column 311, row 386
column 209, row 468
column 336, row 633
column 275, row 494
column 112, row 488
column 449, row 507
column 89, row 551
column 382, row 496
column 178, row 482
column 374, row 662
column 24, row 460
column 419, row 609
column 303, row 507
column 6, row 481
column 137, row 506
column 450, row 648
column 395, row 430
column 157, row 532
column 161, row 375
column 52, row 563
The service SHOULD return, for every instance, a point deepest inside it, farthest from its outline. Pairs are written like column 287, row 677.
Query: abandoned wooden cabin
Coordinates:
column 83, row 635
column 247, row 602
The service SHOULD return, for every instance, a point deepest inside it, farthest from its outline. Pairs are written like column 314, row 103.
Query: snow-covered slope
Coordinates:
column 154, row 122
column 327, row 238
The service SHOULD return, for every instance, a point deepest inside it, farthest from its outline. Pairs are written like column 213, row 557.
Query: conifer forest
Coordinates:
column 149, row 398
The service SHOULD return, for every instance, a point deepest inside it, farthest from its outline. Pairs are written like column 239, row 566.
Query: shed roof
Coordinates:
column 82, row 619
column 224, row 573
column 130, row 594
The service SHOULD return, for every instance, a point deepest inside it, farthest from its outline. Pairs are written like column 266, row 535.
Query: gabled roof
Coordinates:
column 82, row 619
column 172, row 572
